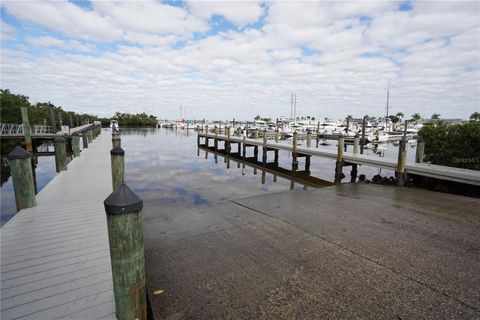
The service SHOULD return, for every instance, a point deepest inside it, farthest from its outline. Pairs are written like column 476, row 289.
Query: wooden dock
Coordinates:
column 471, row 177
column 55, row 260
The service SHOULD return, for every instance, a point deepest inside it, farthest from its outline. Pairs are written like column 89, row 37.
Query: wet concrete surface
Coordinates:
column 352, row 251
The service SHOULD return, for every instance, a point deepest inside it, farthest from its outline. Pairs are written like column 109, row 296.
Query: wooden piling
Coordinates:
column 228, row 147
column 294, row 152
column 215, row 140
column 20, row 163
column 76, row 145
column 264, row 147
column 116, row 140
column 309, row 139
column 89, row 135
column 420, row 152
column 26, row 129
column 60, row 154
column 364, row 124
column 354, row 171
column 117, row 156
column 402, row 156
column 277, row 135
column 125, row 234
column 85, row 139
column 198, row 135
column 339, row 162
column 206, row 136
column 256, row 133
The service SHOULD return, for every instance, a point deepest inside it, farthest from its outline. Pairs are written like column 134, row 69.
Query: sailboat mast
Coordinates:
column 295, row 107
column 291, row 106
column 388, row 98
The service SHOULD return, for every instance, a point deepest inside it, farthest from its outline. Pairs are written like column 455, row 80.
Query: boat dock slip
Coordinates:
column 55, row 260
column 471, row 177
column 351, row 251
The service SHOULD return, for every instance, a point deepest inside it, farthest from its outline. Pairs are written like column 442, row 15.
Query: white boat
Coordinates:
column 330, row 126
column 114, row 126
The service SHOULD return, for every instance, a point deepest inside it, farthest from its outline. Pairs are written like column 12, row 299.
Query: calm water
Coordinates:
column 166, row 168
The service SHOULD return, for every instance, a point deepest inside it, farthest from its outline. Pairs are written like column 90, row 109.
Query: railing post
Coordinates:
column 26, row 129
column 277, row 135
column 85, row 139
column 60, row 154
column 116, row 141
column 402, row 156
column 339, row 162
column 420, row 152
column 309, row 139
column 125, row 234
column 76, row 145
column 118, row 167
column 20, row 164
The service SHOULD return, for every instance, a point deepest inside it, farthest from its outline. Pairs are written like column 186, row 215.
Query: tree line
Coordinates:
column 46, row 113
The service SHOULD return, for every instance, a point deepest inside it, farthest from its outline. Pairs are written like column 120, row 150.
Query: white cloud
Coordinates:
column 149, row 17
column 64, row 17
column 51, row 42
column 239, row 12
column 330, row 53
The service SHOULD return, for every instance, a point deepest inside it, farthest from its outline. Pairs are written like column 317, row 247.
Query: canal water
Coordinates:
column 166, row 168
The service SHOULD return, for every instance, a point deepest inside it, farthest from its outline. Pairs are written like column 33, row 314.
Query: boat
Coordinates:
column 114, row 126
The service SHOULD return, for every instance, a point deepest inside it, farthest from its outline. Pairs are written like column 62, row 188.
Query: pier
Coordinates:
column 465, row 176
column 55, row 260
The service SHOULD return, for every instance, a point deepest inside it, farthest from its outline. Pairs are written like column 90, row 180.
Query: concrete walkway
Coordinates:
column 352, row 251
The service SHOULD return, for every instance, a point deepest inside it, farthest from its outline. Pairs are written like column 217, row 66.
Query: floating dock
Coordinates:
column 55, row 259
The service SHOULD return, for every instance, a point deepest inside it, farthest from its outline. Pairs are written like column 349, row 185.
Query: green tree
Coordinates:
column 257, row 117
column 435, row 116
column 475, row 116
column 455, row 145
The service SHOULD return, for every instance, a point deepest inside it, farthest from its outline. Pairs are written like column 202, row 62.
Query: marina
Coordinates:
column 202, row 251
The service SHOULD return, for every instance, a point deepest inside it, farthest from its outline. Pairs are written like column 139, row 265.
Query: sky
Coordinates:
column 223, row 60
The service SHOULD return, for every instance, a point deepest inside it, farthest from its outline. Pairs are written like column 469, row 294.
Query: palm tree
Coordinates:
column 435, row 116
column 475, row 116
column 416, row 117
column 400, row 115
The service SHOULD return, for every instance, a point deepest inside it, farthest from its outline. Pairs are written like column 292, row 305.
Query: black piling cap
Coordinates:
column 123, row 200
column 18, row 153
column 117, row 151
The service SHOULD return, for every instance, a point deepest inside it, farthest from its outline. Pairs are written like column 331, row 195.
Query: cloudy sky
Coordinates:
column 239, row 59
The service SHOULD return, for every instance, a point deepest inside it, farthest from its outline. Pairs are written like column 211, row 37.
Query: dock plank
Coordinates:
column 55, row 256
